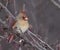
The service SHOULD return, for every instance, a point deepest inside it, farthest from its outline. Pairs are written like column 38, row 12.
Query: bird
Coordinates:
column 21, row 23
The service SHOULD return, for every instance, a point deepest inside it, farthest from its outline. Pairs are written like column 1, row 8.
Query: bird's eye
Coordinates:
column 25, row 18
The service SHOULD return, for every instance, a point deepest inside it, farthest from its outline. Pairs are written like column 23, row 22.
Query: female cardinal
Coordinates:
column 21, row 24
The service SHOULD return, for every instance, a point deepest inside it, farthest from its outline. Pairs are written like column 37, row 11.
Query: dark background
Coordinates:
column 43, row 15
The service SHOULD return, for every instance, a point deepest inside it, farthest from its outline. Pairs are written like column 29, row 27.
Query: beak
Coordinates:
column 26, row 18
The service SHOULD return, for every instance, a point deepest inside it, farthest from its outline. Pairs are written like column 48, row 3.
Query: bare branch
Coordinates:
column 55, row 3
column 15, row 7
column 34, row 45
column 6, row 3
column 36, row 42
column 40, row 39
column 10, row 14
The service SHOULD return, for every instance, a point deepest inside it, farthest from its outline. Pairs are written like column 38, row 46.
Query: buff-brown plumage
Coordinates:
column 21, row 22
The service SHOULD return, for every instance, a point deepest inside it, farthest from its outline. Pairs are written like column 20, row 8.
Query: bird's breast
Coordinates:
column 23, row 25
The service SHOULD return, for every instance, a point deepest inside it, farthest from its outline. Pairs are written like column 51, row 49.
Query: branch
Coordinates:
column 10, row 14
column 40, row 39
column 37, row 42
column 15, row 7
column 6, row 3
column 55, row 3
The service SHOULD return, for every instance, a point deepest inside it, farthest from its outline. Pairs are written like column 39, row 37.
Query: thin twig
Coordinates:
column 55, row 3
column 3, row 22
column 40, row 40
column 15, row 7
column 34, row 45
column 2, row 37
column 37, row 42
column 6, row 3
column 20, row 48
column 23, row 7
column 10, row 14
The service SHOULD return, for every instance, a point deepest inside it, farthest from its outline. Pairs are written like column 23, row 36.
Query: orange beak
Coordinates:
column 26, row 18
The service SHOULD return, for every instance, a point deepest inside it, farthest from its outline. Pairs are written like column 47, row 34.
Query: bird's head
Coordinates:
column 22, row 16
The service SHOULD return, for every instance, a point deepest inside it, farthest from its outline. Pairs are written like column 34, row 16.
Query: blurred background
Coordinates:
column 44, row 16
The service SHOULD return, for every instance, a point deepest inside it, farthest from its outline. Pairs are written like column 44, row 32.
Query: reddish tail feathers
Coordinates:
column 10, row 38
